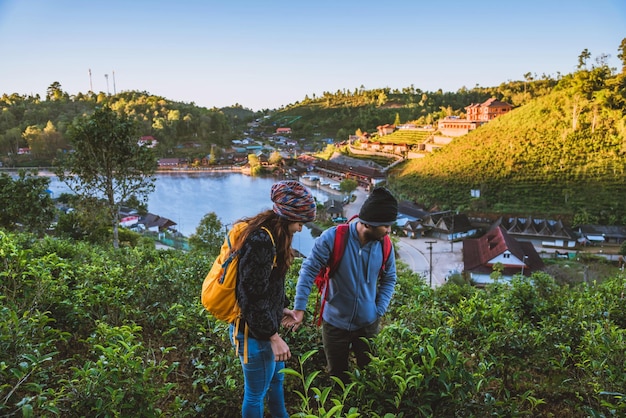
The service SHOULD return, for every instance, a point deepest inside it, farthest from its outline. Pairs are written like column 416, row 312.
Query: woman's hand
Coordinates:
column 280, row 348
column 289, row 318
column 292, row 318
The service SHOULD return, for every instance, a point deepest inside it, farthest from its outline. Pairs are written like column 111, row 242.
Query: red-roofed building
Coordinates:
column 385, row 129
column 497, row 246
column 489, row 109
column 477, row 114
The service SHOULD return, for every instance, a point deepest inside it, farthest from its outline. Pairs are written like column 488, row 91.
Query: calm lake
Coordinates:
column 186, row 197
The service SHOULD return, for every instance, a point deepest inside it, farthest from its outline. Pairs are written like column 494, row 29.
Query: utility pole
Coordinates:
column 452, row 235
column 90, row 83
column 430, row 266
column 114, row 91
column 107, row 77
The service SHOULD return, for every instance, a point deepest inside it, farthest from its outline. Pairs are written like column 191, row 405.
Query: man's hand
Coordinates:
column 292, row 318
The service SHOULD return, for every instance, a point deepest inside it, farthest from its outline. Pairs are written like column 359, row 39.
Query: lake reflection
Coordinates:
column 186, row 197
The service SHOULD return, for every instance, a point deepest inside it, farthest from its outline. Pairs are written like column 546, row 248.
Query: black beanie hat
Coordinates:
column 380, row 208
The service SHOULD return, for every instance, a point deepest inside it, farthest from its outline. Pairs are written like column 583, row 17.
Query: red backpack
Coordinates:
column 339, row 246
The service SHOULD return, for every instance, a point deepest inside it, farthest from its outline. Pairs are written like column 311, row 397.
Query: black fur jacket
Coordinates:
column 260, row 286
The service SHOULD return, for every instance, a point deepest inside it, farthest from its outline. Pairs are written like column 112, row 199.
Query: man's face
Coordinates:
column 376, row 233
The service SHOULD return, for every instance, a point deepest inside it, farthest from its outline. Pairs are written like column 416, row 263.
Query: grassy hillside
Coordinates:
column 340, row 114
column 563, row 153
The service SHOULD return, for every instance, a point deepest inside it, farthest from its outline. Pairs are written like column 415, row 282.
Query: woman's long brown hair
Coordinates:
column 280, row 230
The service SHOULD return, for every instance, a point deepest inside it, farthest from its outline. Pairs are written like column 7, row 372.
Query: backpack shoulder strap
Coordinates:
column 273, row 243
column 386, row 252
column 339, row 246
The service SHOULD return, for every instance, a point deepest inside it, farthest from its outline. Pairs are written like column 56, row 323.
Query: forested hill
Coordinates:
column 30, row 121
column 561, row 154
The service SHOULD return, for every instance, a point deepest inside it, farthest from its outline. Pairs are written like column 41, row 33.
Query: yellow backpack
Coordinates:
column 219, row 286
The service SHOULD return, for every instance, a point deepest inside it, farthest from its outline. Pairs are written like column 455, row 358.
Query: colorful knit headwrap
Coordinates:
column 293, row 201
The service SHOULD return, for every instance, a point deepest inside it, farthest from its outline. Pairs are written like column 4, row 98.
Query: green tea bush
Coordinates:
column 92, row 331
column 119, row 377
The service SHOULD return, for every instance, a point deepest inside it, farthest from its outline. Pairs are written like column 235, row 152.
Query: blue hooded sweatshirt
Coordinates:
column 356, row 296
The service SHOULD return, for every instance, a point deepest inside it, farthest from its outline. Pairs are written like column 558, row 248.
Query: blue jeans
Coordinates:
column 261, row 378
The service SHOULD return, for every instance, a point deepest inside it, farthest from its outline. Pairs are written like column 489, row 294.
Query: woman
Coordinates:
column 264, row 260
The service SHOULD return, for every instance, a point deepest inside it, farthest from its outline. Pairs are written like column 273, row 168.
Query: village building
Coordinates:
column 283, row 131
column 147, row 141
column 334, row 210
column 480, row 255
column 545, row 232
column 156, row 223
column 477, row 114
column 449, row 226
column 385, row 129
column 602, row 234
column 168, row 162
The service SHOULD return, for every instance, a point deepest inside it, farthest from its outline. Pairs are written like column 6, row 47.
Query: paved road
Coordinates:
column 416, row 254
column 445, row 258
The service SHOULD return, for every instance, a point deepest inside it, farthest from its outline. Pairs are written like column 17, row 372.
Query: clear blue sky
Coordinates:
column 266, row 54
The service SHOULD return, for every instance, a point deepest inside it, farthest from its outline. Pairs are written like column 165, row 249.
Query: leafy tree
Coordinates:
column 52, row 139
column 86, row 220
column 255, row 164
column 10, row 141
column 622, row 54
column 253, row 160
column 139, row 206
column 55, row 92
column 32, row 136
column 348, row 186
column 582, row 58
column 25, row 202
column 212, row 156
column 107, row 162
column 275, row 158
column 497, row 270
column 209, row 235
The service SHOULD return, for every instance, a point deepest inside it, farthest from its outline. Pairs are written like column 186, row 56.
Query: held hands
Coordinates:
column 292, row 318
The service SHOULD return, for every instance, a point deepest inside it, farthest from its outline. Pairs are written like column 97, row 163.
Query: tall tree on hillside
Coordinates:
column 582, row 58
column 32, row 136
column 622, row 54
column 55, row 92
column 108, row 162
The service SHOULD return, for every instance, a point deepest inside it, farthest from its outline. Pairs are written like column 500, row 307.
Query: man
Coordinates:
column 357, row 297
